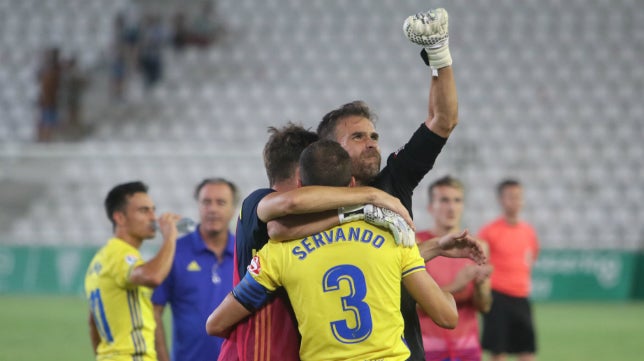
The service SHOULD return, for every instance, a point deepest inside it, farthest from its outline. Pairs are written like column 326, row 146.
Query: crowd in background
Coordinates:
column 136, row 51
column 61, row 86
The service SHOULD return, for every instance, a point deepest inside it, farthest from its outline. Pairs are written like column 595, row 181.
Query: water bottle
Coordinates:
column 184, row 225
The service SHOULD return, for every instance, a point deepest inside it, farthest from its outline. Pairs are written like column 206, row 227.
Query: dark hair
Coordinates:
column 116, row 199
column 326, row 128
column 505, row 184
column 446, row 181
column 231, row 185
column 283, row 149
column 325, row 163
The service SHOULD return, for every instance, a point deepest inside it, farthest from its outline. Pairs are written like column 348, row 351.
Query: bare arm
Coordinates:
column 482, row 285
column 483, row 290
column 439, row 305
column 443, row 103
column 153, row 272
column 301, row 225
column 313, row 199
column 159, row 334
column 93, row 333
column 454, row 245
column 222, row 320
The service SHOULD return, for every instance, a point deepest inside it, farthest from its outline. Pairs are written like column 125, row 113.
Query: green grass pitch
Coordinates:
column 55, row 328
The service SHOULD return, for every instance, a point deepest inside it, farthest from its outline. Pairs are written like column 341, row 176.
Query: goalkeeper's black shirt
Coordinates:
column 404, row 170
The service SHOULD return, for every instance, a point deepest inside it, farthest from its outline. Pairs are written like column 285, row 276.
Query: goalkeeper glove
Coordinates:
column 381, row 217
column 430, row 30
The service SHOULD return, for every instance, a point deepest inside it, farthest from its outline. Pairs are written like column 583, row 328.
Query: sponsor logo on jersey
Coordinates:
column 193, row 266
column 131, row 259
column 254, row 267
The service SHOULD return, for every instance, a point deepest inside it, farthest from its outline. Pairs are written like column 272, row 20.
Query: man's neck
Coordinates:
column 285, row 185
column 216, row 242
column 512, row 219
column 132, row 241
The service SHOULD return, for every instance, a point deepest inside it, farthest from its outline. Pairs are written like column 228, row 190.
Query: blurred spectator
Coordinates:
column 150, row 51
column 129, row 33
column 118, row 72
column 206, row 28
column 180, row 32
column 72, row 88
column 118, row 61
column 49, row 75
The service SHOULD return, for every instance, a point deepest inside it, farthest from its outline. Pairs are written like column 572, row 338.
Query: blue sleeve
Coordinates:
column 251, row 234
column 251, row 294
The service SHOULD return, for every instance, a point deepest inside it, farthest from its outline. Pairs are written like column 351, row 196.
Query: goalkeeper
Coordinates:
column 343, row 283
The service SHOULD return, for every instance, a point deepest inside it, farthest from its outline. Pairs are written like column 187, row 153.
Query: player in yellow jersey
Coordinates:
column 118, row 283
column 343, row 283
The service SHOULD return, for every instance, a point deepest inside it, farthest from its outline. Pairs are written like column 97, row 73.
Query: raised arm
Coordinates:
column 443, row 103
column 438, row 304
column 431, row 31
column 153, row 272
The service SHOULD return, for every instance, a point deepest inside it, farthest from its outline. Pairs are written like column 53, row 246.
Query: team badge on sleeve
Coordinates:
column 131, row 259
column 254, row 267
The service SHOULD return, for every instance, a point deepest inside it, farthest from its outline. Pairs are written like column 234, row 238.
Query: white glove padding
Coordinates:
column 351, row 213
column 430, row 30
column 381, row 217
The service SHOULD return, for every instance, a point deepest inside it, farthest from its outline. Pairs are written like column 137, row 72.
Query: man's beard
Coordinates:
column 366, row 167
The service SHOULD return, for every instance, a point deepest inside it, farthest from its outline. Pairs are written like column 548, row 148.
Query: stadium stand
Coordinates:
column 550, row 92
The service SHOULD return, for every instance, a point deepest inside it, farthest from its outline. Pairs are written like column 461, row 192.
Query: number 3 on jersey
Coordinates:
column 353, row 302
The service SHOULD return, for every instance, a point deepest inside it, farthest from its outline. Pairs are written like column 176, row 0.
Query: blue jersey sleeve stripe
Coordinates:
column 411, row 270
column 251, row 294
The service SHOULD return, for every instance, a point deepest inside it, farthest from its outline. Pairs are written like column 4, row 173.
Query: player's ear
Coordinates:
column 118, row 217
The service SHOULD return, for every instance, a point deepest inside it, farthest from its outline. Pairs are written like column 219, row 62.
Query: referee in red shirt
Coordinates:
column 508, row 327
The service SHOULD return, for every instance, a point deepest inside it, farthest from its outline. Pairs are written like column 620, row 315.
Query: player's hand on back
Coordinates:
column 403, row 233
column 393, row 204
column 167, row 225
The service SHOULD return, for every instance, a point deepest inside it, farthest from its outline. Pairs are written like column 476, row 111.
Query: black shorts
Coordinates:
column 508, row 327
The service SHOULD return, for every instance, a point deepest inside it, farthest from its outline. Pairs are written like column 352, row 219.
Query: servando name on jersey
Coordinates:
column 335, row 235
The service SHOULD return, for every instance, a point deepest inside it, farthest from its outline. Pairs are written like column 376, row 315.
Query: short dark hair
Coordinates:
column 325, row 163
column 446, row 181
column 116, row 199
column 509, row 182
column 231, row 185
column 283, row 149
column 326, row 128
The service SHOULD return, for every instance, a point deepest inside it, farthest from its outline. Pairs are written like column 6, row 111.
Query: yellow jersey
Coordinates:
column 344, row 285
column 122, row 312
